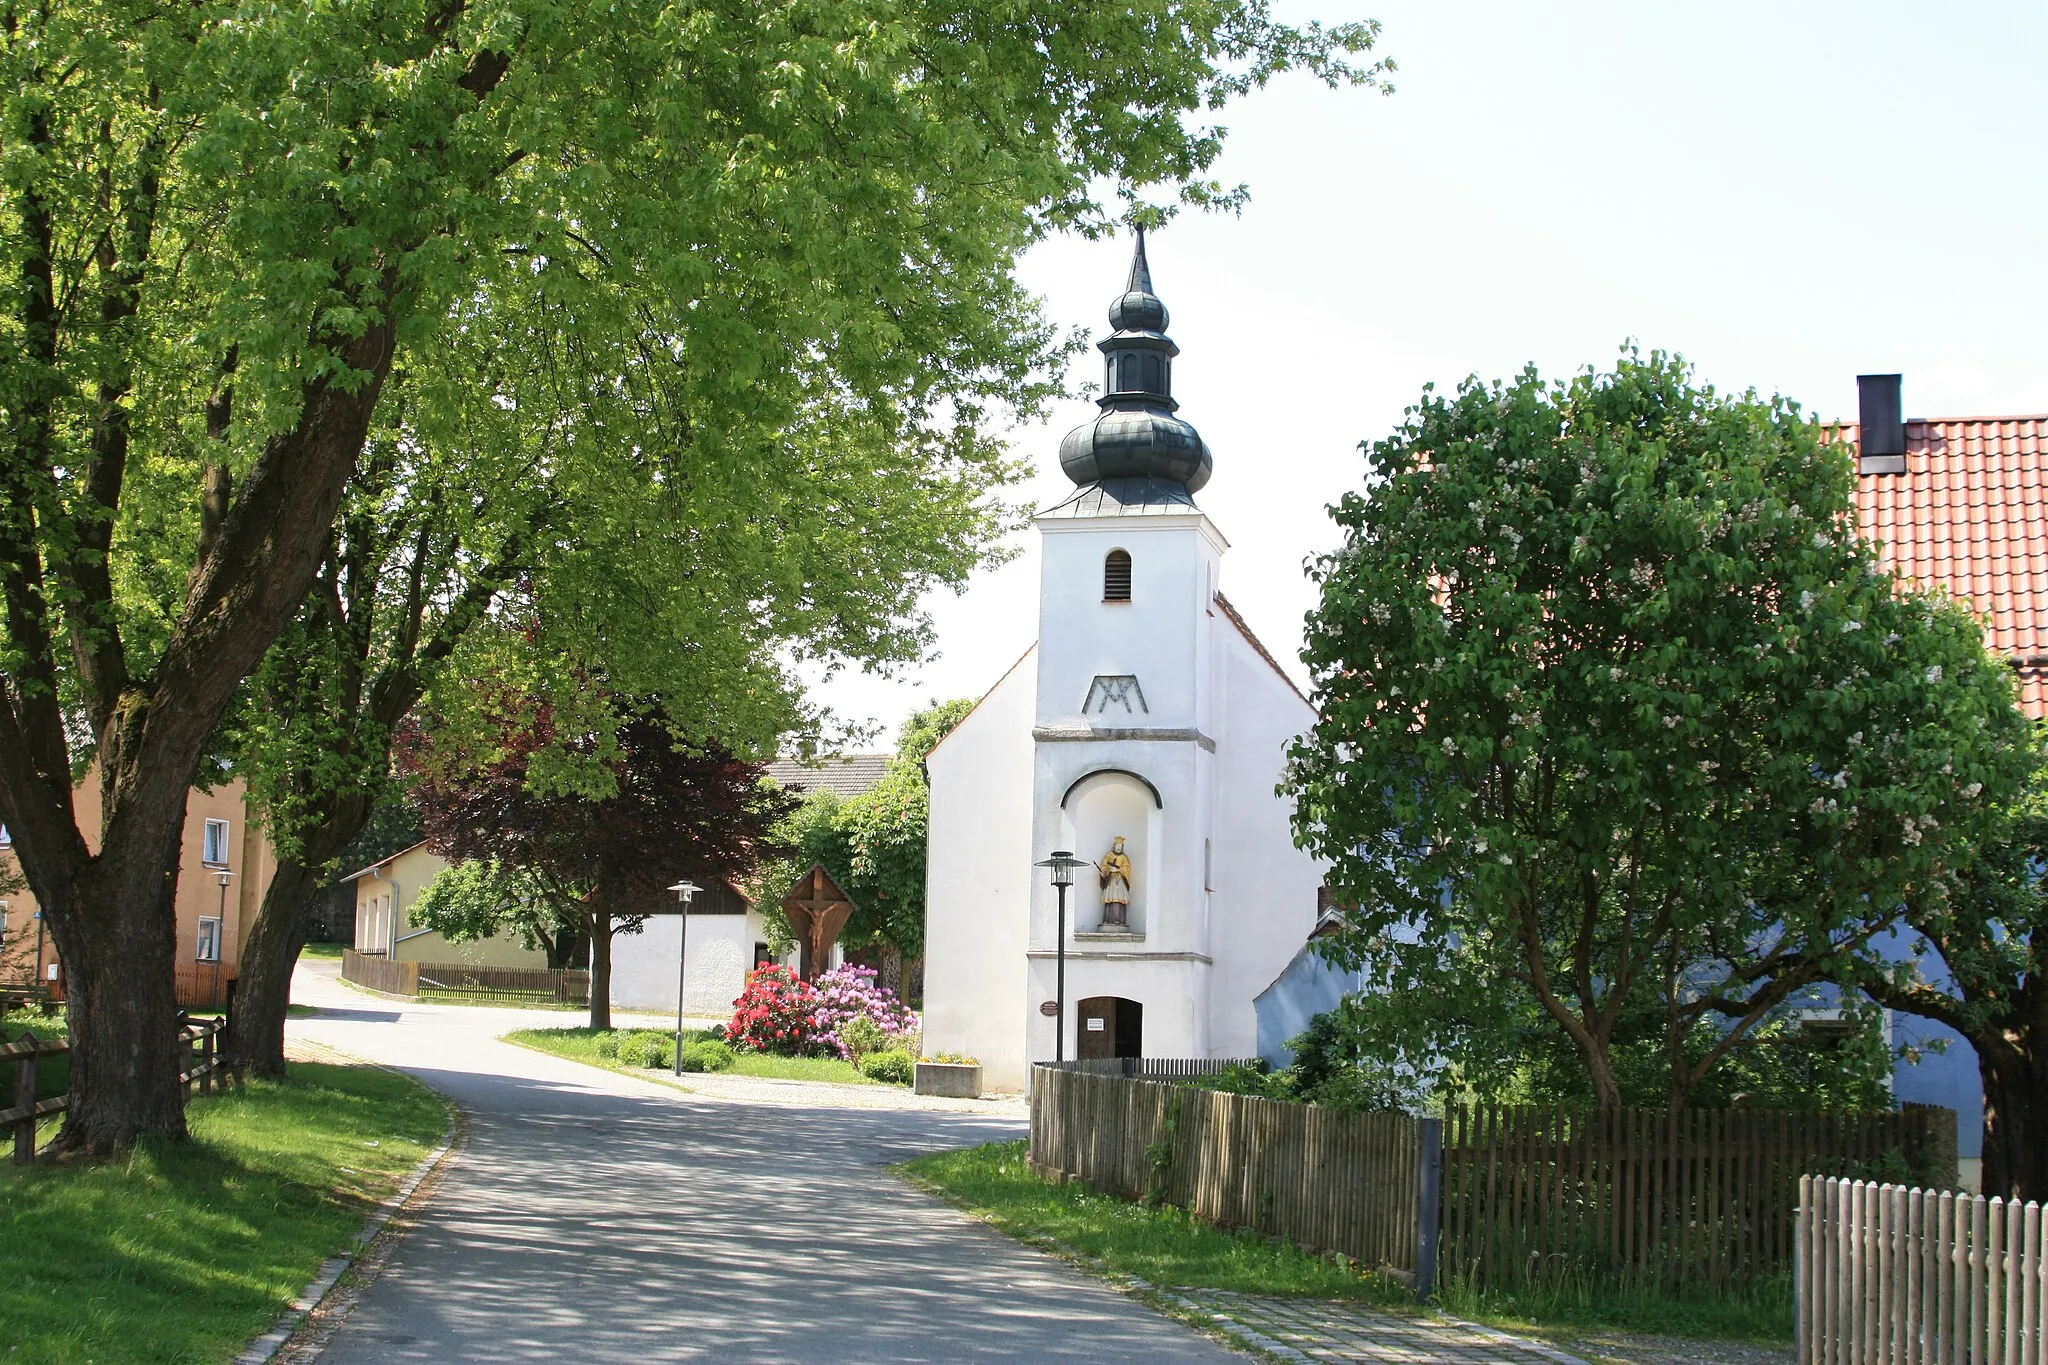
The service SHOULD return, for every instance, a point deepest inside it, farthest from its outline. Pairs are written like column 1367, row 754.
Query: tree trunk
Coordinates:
column 600, row 969
column 2015, row 1120
column 121, row 1003
column 263, row 993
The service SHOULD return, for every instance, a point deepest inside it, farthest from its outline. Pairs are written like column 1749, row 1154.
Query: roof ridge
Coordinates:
column 1244, row 629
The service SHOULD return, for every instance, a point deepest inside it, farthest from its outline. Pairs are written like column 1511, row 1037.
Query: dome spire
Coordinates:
column 1137, row 440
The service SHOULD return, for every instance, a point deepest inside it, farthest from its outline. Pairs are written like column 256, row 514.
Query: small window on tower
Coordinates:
column 1155, row 375
column 1129, row 382
column 1116, row 577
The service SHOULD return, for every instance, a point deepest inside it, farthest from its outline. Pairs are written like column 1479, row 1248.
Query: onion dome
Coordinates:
column 1137, row 437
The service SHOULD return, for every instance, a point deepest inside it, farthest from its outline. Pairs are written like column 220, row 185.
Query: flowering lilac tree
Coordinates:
column 1618, row 711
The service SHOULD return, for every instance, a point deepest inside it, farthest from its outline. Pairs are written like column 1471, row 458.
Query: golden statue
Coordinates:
column 1115, row 872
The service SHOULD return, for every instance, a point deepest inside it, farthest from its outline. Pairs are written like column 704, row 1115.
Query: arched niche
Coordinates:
column 1097, row 808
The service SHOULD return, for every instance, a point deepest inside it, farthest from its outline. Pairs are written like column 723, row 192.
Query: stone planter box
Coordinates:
column 949, row 1080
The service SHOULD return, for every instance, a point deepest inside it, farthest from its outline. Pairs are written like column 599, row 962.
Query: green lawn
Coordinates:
column 183, row 1251
column 330, row 952
column 1161, row 1245
column 580, row 1044
column 1166, row 1247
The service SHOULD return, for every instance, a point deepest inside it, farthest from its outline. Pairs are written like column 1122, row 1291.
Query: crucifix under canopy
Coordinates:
column 817, row 911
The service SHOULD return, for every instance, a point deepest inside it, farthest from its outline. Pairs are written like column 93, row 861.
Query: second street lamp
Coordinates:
column 684, row 890
column 1062, row 863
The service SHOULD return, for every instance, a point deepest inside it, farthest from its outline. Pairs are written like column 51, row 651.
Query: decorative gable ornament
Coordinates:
column 817, row 909
column 1115, row 689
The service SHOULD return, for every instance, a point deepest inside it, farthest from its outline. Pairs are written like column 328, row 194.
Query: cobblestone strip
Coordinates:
column 1320, row 1330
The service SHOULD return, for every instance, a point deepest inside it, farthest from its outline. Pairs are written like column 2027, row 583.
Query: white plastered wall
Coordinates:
column 978, row 879
column 720, row 955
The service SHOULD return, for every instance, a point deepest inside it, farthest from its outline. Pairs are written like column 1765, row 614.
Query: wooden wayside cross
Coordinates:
column 817, row 911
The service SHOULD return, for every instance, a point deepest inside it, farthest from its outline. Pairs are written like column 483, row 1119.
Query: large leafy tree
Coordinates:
column 1975, row 962
column 1616, row 707
column 645, row 810
column 222, row 225
column 874, row 845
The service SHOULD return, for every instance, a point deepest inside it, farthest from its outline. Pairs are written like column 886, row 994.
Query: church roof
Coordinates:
column 1126, row 498
column 844, row 774
column 1230, row 614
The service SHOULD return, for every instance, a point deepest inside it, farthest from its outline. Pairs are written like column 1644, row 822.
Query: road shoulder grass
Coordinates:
column 184, row 1251
column 1166, row 1247
column 581, row 1045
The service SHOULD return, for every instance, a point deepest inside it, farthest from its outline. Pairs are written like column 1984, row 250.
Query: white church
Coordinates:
column 1148, row 713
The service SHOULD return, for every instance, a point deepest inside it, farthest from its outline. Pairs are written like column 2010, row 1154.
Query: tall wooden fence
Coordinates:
column 1703, row 1196
column 1321, row 1178
column 1501, row 1196
column 1888, row 1275
column 380, row 973
column 1156, row 1068
column 569, row 987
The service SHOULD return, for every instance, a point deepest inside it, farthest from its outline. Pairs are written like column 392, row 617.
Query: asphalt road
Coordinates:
column 593, row 1216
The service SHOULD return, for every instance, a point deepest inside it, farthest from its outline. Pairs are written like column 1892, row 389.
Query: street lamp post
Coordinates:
column 684, row 891
column 220, row 929
column 1062, row 863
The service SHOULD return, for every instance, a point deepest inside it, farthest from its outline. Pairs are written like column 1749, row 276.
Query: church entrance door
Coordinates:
column 1110, row 1026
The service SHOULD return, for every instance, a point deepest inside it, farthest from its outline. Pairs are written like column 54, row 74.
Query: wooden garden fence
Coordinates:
column 1889, row 1275
column 1703, row 1196
column 1499, row 1196
column 1320, row 1178
column 394, row 977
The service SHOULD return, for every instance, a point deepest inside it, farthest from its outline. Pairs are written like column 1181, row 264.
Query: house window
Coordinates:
column 5, row 838
column 215, row 851
column 209, row 939
column 1116, row 577
column 1208, row 866
column 762, row 957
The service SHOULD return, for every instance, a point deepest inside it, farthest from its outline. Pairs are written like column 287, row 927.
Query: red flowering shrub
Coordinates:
column 778, row 1012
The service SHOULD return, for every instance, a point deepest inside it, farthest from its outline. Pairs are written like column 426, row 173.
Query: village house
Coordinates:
column 1144, row 733
column 386, row 891
column 728, row 937
column 225, row 864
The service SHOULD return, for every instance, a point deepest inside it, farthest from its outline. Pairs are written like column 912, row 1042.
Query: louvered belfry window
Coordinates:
column 1116, row 577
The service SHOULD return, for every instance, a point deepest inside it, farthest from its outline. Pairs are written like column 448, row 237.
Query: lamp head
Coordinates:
column 685, row 890
column 1062, row 863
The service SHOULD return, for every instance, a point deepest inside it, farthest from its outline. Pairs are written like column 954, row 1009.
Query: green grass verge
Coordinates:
column 580, row 1045
column 184, row 1251
column 1168, row 1248
column 1160, row 1245
column 1574, row 1302
column 326, row 952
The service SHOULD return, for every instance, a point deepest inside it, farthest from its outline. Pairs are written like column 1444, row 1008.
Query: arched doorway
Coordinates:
column 1109, row 1026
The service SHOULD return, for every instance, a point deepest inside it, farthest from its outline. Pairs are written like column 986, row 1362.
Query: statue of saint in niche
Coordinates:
column 1115, row 873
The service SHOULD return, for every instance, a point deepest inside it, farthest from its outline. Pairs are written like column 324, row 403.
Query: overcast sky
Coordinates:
column 1788, row 194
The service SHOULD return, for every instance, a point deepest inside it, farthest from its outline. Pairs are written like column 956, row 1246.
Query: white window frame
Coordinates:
column 206, row 842
column 207, row 939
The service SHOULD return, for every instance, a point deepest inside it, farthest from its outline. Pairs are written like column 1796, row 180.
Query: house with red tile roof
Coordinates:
column 1958, row 503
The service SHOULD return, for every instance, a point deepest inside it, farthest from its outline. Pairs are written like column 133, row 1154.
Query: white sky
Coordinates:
column 1788, row 194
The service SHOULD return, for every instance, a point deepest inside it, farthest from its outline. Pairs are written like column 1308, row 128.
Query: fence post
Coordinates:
column 206, row 1062
column 25, row 1094
column 1429, row 1182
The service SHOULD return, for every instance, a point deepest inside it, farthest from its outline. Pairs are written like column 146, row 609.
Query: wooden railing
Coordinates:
column 1324, row 1179
column 1703, row 1196
column 1888, row 1275
column 204, row 1067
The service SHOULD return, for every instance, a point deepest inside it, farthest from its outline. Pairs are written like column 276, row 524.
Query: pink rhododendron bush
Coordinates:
column 848, row 993
column 778, row 1012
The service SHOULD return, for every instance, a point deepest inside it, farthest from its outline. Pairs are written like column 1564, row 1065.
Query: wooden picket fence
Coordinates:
column 1156, row 1068
column 1888, row 1275
column 1703, row 1196
column 393, row 977
column 1323, row 1179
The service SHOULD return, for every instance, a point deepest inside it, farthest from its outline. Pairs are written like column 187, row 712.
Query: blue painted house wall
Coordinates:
column 1308, row 987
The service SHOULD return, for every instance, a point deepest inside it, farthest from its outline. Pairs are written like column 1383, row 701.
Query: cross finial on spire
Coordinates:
column 1141, row 272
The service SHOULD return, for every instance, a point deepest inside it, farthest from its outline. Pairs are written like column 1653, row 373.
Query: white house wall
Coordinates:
column 978, row 879
column 721, row 954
